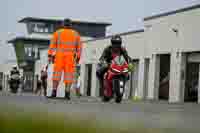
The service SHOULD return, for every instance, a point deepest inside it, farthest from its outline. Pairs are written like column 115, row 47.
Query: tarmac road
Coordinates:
column 150, row 114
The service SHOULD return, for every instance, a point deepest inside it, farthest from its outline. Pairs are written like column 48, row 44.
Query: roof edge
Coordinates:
column 26, row 39
column 121, row 34
column 28, row 19
column 172, row 12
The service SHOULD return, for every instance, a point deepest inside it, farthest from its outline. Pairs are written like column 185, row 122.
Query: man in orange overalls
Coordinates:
column 64, row 52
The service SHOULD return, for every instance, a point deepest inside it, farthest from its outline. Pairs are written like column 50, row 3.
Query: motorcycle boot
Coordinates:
column 67, row 91
column 54, row 93
column 67, row 95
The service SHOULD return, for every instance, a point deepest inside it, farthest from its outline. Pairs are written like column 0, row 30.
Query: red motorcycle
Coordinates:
column 115, row 79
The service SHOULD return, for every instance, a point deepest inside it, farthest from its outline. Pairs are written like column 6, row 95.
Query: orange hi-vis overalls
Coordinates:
column 65, row 45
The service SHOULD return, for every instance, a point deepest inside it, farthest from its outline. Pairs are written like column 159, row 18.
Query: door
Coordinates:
column 146, row 77
column 89, row 78
column 1, row 81
column 28, row 83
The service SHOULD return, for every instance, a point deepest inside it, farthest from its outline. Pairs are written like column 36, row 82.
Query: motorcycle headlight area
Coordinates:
column 115, row 70
column 125, row 70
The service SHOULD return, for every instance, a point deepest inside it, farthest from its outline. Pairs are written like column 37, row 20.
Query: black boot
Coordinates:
column 67, row 95
column 53, row 94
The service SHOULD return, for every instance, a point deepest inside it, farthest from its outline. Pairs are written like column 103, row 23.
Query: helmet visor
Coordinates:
column 116, row 44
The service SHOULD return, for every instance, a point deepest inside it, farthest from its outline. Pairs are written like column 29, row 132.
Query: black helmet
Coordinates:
column 14, row 67
column 116, row 40
column 67, row 22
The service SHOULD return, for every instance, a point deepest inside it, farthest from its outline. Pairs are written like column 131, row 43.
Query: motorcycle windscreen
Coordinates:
column 120, row 60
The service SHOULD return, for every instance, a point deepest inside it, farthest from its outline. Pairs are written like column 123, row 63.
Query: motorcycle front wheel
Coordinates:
column 118, row 99
column 118, row 92
column 105, row 99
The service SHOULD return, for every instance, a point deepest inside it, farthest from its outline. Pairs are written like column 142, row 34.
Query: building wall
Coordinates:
column 93, row 50
column 173, row 34
column 19, row 50
column 40, row 63
column 5, row 68
column 161, row 38
column 158, row 38
column 135, row 45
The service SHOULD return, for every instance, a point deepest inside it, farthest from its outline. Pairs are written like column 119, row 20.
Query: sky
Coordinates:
column 125, row 15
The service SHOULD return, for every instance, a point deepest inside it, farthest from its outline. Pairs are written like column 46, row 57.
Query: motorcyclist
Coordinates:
column 14, row 76
column 14, row 73
column 107, row 56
